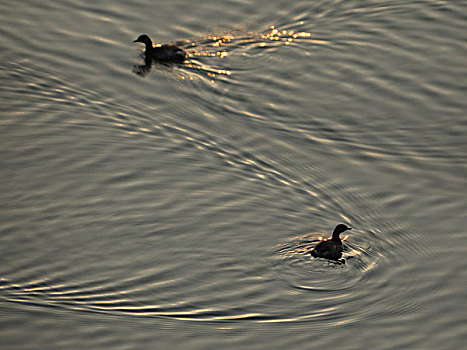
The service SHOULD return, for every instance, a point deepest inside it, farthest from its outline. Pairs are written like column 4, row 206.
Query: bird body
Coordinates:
column 328, row 249
column 166, row 53
column 331, row 248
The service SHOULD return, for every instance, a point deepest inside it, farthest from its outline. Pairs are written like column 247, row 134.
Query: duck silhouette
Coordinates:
column 331, row 248
column 163, row 53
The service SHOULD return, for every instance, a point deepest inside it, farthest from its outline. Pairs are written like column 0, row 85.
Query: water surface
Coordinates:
column 174, row 208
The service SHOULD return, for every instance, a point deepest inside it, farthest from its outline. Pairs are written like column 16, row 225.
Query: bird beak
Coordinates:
column 349, row 228
column 135, row 41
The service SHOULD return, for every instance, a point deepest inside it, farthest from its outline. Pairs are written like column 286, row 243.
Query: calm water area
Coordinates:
column 173, row 206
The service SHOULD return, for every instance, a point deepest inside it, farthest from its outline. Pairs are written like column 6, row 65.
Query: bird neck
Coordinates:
column 335, row 238
column 148, row 46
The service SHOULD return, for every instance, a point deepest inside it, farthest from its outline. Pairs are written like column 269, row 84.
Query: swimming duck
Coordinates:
column 166, row 53
column 331, row 248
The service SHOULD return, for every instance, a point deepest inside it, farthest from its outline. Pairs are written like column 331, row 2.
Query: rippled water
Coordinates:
column 173, row 207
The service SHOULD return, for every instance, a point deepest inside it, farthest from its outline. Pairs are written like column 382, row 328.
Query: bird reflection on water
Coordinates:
column 143, row 69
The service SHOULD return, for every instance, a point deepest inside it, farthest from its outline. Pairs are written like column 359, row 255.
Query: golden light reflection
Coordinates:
column 220, row 40
column 203, row 54
column 233, row 44
column 227, row 40
column 221, row 54
column 286, row 36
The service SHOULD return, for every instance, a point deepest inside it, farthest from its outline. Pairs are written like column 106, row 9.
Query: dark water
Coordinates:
column 173, row 208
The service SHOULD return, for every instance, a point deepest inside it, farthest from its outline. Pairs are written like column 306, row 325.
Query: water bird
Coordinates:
column 166, row 53
column 330, row 248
